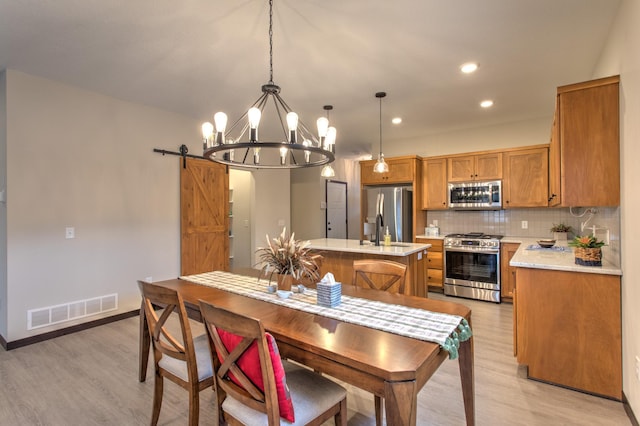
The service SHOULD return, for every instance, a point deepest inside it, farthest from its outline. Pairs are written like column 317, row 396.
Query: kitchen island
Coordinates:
column 567, row 320
column 338, row 256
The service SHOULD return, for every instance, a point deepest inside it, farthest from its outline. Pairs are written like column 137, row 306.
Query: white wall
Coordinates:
column 3, row 210
column 621, row 56
column 84, row 160
column 242, row 222
column 522, row 133
column 270, row 208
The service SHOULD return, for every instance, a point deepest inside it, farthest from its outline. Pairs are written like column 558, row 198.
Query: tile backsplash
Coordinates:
column 539, row 223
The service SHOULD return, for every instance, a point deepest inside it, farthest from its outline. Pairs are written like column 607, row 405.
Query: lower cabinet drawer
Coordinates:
column 434, row 277
column 434, row 259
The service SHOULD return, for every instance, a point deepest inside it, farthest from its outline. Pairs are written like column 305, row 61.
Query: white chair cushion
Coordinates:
column 311, row 393
column 203, row 361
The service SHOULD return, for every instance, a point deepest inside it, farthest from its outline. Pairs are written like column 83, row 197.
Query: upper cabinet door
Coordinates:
column 475, row 167
column 525, row 178
column 434, row 184
column 489, row 166
column 554, row 162
column 589, row 134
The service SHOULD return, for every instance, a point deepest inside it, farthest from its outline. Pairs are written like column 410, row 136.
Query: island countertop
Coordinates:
column 553, row 259
column 354, row 246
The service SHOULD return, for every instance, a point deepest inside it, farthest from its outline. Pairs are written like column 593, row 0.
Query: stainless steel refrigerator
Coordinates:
column 396, row 206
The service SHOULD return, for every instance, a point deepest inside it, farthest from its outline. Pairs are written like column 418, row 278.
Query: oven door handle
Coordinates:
column 472, row 250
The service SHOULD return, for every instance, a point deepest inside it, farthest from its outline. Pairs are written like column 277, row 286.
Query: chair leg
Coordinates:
column 194, row 405
column 378, row 409
column 157, row 398
column 340, row 418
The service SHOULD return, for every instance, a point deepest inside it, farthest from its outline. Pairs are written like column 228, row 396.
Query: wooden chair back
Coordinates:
column 178, row 345
column 250, row 330
column 382, row 275
column 316, row 398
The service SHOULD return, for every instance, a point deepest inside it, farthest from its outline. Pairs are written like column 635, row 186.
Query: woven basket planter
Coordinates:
column 588, row 256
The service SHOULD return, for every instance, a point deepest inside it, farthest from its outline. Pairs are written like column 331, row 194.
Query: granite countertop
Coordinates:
column 553, row 259
column 354, row 246
column 438, row 237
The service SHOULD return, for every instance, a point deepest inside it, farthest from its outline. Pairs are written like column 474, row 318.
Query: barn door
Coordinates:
column 204, row 213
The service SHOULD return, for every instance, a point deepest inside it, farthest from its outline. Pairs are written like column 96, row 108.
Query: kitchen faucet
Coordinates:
column 378, row 228
column 379, row 220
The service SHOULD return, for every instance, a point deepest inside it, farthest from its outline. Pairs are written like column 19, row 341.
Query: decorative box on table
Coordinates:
column 329, row 294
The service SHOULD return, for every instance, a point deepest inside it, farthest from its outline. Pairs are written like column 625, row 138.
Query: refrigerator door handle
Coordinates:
column 397, row 212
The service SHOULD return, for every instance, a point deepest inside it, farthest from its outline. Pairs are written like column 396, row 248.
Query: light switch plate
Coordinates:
column 69, row 232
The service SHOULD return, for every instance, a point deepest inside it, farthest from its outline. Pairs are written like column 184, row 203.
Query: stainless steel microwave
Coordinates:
column 475, row 195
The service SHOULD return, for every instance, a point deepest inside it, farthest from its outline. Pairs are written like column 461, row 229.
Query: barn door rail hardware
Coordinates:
column 183, row 150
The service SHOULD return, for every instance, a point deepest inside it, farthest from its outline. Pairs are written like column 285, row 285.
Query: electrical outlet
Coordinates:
column 435, row 222
column 637, row 367
column 525, row 224
column 69, row 233
column 148, row 279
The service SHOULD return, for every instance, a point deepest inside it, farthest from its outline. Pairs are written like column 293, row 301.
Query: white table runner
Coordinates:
column 444, row 329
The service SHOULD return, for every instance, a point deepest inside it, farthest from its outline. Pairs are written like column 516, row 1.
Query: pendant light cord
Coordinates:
column 271, row 41
column 380, row 129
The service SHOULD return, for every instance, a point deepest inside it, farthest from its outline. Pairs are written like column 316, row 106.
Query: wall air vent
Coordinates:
column 50, row 315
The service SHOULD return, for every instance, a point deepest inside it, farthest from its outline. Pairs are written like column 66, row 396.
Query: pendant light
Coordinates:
column 381, row 166
column 327, row 136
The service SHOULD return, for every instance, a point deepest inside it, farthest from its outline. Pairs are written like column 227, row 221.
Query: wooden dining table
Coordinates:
column 383, row 363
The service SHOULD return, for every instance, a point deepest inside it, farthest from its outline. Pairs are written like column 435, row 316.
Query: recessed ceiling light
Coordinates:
column 396, row 120
column 469, row 67
column 486, row 103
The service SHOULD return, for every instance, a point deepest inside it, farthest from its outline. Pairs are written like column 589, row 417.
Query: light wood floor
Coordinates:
column 90, row 378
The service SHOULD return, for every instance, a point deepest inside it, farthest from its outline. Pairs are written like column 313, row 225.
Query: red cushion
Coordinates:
column 249, row 363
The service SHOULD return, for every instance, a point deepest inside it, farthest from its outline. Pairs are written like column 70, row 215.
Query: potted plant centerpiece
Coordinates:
column 289, row 258
column 588, row 250
column 560, row 231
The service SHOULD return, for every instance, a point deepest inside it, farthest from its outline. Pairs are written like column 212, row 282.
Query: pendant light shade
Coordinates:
column 381, row 166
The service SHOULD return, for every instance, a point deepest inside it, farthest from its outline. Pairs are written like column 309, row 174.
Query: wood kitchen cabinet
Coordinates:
column 507, row 273
column 433, row 271
column 585, row 145
column 525, row 178
column 401, row 170
column 434, row 183
column 475, row 167
column 568, row 329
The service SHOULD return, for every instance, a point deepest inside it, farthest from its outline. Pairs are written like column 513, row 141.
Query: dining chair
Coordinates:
column 178, row 357
column 384, row 275
column 255, row 386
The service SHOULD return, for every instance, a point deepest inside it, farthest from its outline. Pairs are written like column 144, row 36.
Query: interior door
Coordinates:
column 336, row 198
column 204, row 216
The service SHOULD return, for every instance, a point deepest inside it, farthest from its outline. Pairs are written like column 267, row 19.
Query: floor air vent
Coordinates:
column 50, row 315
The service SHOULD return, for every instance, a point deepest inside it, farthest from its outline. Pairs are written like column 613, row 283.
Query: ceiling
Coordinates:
column 196, row 57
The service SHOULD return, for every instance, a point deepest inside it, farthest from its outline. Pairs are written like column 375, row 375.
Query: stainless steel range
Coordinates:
column 472, row 266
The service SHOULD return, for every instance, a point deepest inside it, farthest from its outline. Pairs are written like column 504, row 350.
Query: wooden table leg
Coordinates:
column 145, row 343
column 465, row 361
column 401, row 403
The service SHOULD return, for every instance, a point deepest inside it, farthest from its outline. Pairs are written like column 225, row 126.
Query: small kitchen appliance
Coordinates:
column 475, row 195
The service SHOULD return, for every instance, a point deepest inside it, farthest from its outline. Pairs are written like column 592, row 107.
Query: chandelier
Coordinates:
column 239, row 145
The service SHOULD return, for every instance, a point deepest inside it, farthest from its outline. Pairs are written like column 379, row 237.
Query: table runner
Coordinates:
column 445, row 329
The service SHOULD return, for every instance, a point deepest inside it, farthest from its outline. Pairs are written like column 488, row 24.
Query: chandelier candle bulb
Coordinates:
column 292, row 123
